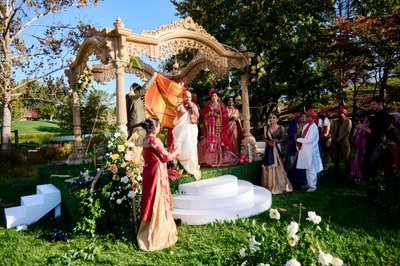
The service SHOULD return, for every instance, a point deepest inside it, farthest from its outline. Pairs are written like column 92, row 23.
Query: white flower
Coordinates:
column 131, row 194
column 254, row 244
column 274, row 214
column 119, row 201
column 313, row 217
column 292, row 239
column 242, row 252
column 125, row 179
column 117, row 134
column 128, row 157
column 292, row 262
column 139, row 178
column 324, row 258
column 264, row 264
column 337, row 262
column 292, row 228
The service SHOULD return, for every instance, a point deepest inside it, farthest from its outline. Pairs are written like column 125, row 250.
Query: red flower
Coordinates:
column 173, row 174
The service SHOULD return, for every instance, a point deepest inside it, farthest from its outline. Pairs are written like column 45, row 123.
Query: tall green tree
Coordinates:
column 35, row 54
column 287, row 33
column 95, row 112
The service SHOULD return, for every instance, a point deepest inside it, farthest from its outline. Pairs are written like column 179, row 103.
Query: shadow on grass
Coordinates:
column 48, row 129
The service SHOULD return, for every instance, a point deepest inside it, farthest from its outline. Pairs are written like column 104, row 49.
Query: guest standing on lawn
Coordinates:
column 274, row 176
column 309, row 157
column 157, row 229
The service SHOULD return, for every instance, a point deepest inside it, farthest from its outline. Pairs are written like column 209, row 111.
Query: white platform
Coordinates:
column 221, row 198
column 261, row 147
column 34, row 207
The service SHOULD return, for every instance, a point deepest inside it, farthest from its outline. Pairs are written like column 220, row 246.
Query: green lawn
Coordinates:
column 360, row 233
column 36, row 127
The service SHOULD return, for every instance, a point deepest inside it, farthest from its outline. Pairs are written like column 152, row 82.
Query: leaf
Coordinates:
column 134, row 63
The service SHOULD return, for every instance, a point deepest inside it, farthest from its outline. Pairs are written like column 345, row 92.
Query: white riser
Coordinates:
column 244, row 196
column 230, row 199
column 32, row 200
column 262, row 202
column 225, row 185
column 34, row 207
column 46, row 189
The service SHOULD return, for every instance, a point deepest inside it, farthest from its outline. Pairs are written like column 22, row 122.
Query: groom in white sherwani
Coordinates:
column 185, row 134
column 309, row 157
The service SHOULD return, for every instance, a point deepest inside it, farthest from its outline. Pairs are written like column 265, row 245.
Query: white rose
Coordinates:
column 254, row 244
column 324, row 258
column 119, row 201
column 128, row 157
column 292, row 262
column 274, row 214
column 337, row 262
column 131, row 194
column 292, row 239
column 292, row 228
column 242, row 252
column 313, row 217
column 125, row 179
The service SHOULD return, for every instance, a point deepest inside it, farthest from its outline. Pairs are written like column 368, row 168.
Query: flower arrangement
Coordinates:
column 257, row 70
column 114, row 202
column 122, row 172
column 293, row 245
column 84, row 82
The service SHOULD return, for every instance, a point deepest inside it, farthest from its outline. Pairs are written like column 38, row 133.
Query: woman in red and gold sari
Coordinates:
column 235, row 126
column 215, row 148
column 157, row 229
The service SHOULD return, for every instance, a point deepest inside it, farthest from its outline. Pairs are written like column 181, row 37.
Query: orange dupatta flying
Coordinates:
column 162, row 95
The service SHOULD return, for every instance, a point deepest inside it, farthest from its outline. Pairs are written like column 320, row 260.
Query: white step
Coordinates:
column 262, row 202
column 34, row 207
column 225, row 185
column 199, row 207
column 32, row 200
column 46, row 189
column 244, row 196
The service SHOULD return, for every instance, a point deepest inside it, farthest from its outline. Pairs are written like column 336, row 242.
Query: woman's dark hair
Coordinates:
column 149, row 124
column 275, row 114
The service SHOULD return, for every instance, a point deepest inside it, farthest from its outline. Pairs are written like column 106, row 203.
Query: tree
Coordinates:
column 365, row 49
column 287, row 33
column 35, row 54
column 95, row 111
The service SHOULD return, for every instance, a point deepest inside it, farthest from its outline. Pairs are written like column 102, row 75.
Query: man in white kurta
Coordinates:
column 185, row 134
column 309, row 157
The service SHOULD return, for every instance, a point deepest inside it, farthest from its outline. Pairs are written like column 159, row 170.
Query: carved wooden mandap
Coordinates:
column 114, row 48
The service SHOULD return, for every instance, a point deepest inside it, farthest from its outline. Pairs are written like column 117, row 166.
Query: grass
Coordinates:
column 361, row 234
column 36, row 127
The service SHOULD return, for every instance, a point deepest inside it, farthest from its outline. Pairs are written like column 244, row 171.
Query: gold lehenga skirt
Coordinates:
column 159, row 232
column 274, row 177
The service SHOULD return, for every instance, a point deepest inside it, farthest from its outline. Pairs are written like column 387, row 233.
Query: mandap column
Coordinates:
column 248, row 152
column 121, row 101
column 77, row 154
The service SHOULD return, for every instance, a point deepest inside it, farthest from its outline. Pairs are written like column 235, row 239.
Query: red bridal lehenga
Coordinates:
column 215, row 148
column 157, row 229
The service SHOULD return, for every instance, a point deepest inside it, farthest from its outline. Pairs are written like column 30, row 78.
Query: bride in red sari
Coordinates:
column 157, row 228
column 215, row 148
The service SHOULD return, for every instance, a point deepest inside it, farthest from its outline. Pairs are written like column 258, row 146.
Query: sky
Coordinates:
column 137, row 15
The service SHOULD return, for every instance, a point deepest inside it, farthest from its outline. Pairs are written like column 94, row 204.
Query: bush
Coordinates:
column 384, row 191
